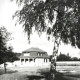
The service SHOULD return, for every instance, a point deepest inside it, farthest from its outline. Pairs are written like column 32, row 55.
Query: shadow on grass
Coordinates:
column 73, row 75
column 10, row 72
column 45, row 75
column 2, row 71
column 36, row 77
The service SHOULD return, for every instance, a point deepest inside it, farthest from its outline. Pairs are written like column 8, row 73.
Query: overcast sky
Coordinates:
column 19, row 42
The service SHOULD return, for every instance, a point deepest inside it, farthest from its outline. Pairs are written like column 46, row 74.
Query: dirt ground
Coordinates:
column 39, row 73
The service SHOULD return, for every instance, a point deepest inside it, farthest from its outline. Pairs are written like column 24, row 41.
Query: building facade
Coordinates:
column 34, row 57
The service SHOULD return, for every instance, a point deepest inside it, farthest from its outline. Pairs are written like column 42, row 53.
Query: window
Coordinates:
column 26, row 54
column 39, row 54
column 45, row 60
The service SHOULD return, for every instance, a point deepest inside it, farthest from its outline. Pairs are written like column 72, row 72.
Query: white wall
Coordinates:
column 38, row 62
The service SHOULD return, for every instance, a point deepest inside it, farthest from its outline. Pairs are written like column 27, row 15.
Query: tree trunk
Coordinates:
column 5, row 67
column 54, row 58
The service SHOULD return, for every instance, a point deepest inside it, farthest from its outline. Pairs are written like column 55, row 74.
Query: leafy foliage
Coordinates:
column 6, row 54
column 75, row 59
column 66, row 27
column 3, row 39
column 63, row 57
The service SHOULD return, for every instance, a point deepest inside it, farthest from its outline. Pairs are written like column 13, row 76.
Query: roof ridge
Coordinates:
column 36, row 49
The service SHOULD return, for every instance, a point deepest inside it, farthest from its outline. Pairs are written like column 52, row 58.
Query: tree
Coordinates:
column 75, row 59
column 3, row 38
column 11, row 56
column 63, row 57
column 66, row 27
column 6, row 54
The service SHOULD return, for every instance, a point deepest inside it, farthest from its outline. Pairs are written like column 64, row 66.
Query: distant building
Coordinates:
column 34, row 57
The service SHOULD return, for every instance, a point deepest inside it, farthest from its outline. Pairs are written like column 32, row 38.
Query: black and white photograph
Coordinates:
column 39, row 39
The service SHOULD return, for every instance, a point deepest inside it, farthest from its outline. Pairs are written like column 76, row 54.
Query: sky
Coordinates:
column 19, row 38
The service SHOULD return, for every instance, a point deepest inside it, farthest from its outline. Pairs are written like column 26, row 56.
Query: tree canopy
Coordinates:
column 63, row 57
column 67, row 25
column 6, row 53
column 3, row 39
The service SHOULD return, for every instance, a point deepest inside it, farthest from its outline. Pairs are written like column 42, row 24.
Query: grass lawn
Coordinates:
column 16, row 73
column 2, row 71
